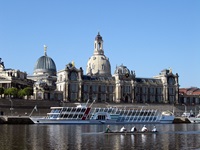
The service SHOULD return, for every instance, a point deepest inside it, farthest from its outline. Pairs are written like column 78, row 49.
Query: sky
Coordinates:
column 147, row 36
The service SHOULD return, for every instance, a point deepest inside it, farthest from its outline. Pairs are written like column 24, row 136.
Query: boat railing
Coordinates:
column 131, row 115
column 126, row 115
column 135, row 115
column 146, row 116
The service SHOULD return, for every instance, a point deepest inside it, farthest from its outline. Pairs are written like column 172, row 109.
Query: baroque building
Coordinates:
column 13, row 78
column 123, row 86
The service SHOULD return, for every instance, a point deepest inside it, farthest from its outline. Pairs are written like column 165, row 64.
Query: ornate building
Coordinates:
column 122, row 86
column 13, row 78
column 45, row 78
column 189, row 95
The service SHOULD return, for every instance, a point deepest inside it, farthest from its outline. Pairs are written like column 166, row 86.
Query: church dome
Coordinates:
column 98, row 64
column 45, row 65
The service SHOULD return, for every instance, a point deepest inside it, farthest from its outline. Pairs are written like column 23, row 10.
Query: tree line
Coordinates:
column 16, row 93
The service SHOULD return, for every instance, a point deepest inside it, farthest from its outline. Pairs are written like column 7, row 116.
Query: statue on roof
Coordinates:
column 2, row 63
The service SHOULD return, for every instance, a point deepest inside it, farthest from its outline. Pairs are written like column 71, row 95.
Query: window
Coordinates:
column 60, row 77
column 103, row 67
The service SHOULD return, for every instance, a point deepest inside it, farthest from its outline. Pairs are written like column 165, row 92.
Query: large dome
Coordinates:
column 45, row 65
column 98, row 64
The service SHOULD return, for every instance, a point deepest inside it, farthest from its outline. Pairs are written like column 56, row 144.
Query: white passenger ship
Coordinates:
column 83, row 114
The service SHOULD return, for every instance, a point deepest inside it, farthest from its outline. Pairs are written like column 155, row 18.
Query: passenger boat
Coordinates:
column 84, row 114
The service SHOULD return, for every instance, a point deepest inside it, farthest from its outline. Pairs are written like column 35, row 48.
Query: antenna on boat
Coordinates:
column 92, row 103
column 87, row 102
column 35, row 108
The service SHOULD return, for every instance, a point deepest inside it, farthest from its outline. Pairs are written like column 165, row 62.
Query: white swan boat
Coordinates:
column 83, row 114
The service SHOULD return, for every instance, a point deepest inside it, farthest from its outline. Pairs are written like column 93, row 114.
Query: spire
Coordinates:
column 98, row 44
column 45, row 50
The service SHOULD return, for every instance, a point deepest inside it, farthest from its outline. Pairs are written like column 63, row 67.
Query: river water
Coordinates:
column 91, row 137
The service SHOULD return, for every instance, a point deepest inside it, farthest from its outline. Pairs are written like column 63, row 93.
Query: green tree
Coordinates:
column 28, row 91
column 11, row 92
column 21, row 93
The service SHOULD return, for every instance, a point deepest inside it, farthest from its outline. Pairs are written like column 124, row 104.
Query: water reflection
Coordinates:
column 77, row 137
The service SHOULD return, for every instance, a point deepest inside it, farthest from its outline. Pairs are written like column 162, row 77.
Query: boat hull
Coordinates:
column 194, row 119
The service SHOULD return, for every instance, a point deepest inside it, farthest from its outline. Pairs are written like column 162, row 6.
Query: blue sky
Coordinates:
column 147, row 36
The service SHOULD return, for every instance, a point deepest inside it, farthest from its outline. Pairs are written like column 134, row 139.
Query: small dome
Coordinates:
column 98, row 37
column 122, row 70
column 45, row 65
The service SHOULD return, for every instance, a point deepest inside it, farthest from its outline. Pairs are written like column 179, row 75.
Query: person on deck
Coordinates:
column 133, row 129
column 154, row 129
column 144, row 129
column 123, row 129
column 108, row 129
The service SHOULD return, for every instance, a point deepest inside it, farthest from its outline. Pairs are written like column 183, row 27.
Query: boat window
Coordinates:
column 83, row 110
column 80, row 116
column 89, row 116
column 137, row 114
column 125, row 112
column 79, row 109
column 101, row 110
column 101, row 117
column 145, row 113
column 118, row 112
column 109, row 110
column 73, row 109
column 70, row 116
column 127, row 118
column 106, row 109
column 130, row 113
column 69, row 109
column 66, row 116
column 75, row 116
column 64, row 109
column 143, row 118
column 121, row 112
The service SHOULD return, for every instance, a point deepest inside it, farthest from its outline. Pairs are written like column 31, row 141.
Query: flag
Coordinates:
column 35, row 108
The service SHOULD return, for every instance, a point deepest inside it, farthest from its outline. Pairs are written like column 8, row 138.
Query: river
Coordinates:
column 91, row 137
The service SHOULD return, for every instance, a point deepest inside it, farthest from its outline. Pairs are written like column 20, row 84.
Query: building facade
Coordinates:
column 189, row 96
column 123, row 86
column 10, row 78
